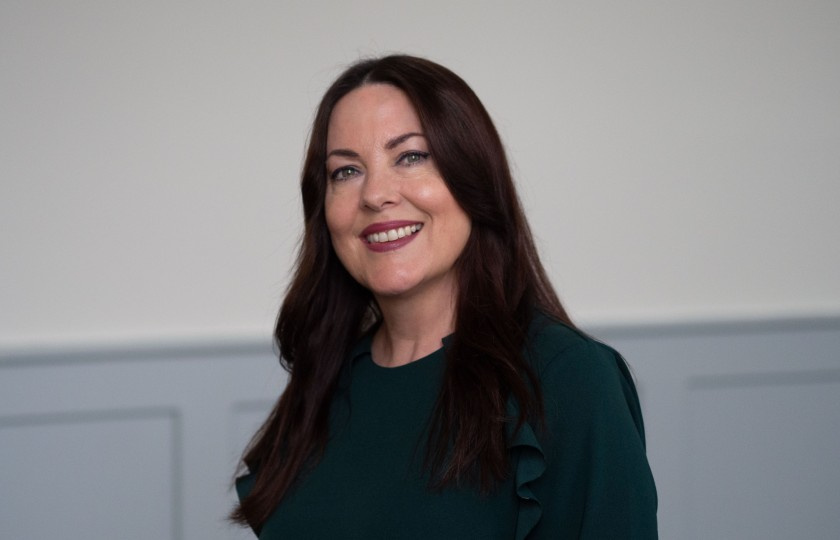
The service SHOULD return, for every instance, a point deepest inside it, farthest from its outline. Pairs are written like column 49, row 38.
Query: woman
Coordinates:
column 437, row 387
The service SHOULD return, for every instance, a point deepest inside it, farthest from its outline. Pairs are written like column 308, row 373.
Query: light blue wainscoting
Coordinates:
column 743, row 428
column 129, row 443
column 743, row 425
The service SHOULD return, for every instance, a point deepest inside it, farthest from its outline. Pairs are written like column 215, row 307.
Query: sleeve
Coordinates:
column 244, row 484
column 596, row 482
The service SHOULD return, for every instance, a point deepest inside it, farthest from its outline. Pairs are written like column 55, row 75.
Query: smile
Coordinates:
column 393, row 234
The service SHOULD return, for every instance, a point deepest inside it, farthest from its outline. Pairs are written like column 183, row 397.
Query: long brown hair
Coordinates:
column 500, row 283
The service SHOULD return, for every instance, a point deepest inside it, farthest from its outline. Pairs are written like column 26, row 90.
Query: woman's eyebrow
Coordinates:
column 343, row 152
column 396, row 141
column 390, row 145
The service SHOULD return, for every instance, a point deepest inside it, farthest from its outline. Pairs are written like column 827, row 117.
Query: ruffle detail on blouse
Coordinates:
column 530, row 465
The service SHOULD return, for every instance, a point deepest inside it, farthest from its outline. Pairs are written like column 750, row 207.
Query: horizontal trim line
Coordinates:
column 169, row 349
column 716, row 326
column 250, row 345
column 744, row 380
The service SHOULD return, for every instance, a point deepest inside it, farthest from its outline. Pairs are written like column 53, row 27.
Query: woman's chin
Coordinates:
column 391, row 290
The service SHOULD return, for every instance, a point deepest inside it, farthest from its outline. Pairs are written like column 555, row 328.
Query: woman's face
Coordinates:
column 393, row 222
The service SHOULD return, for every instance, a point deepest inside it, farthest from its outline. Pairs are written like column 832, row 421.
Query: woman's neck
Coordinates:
column 412, row 328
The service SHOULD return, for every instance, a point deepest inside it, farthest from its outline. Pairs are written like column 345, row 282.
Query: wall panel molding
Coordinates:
column 94, row 461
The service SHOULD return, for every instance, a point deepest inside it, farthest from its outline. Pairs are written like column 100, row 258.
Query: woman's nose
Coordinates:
column 380, row 189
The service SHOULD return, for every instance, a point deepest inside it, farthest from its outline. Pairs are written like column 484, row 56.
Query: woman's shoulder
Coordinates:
column 580, row 374
column 553, row 345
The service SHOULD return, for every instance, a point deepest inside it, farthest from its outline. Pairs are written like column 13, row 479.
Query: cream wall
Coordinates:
column 678, row 159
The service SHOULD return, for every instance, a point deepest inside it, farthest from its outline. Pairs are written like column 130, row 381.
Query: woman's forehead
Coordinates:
column 372, row 114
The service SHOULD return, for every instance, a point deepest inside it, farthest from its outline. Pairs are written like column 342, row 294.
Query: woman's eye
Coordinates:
column 343, row 173
column 413, row 158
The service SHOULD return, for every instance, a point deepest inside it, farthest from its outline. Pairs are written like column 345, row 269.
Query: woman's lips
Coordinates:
column 389, row 235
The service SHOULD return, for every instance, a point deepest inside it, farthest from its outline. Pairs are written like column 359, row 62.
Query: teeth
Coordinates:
column 393, row 234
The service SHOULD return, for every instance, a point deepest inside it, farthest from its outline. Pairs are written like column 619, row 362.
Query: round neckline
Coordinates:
column 404, row 367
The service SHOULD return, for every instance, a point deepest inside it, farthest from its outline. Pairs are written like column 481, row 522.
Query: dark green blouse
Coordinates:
column 585, row 476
